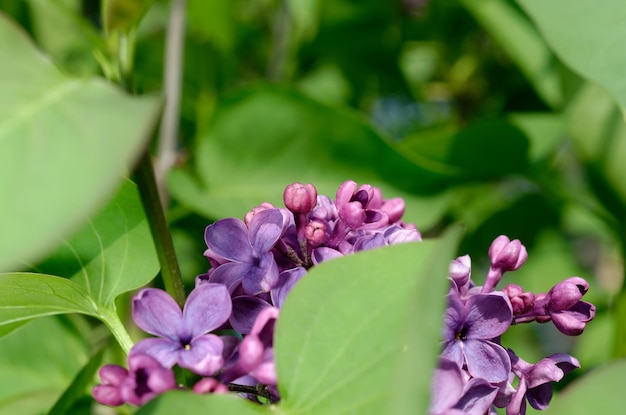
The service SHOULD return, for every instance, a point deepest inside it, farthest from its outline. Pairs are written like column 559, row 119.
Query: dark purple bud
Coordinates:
column 209, row 385
column 507, row 255
column 567, row 293
column 522, row 302
column 300, row 198
column 315, row 233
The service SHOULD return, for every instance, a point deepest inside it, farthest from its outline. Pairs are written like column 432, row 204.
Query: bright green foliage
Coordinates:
column 61, row 155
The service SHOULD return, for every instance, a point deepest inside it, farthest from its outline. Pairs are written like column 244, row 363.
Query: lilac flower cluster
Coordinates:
column 476, row 373
column 254, row 265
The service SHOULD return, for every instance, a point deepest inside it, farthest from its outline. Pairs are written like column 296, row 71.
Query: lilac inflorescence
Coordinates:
column 255, row 263
column 476, row 373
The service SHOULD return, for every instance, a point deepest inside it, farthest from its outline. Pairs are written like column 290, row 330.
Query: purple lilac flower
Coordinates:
column 145, row 379
column 183, row 337
column 244, row 253
column 470, row 330
column 454, row 393
column 535, row 385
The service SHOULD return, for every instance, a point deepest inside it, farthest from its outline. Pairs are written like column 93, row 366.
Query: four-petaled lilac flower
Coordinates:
column 183, row 337
column 535, row 381
column 145, row 379
column 469, row 330
column 245, row 252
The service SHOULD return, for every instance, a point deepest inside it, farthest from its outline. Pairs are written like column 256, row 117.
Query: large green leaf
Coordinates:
column 265, row 138
column 360, row 334
column 112, row 254
column 599, row 392
column 192, row 404
column 37, row 363
column 588, row 36
column 64, row 144
column 24, row 296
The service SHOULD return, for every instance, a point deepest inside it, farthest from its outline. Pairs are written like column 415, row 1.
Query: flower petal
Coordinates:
column 230, row 274
column 478, row 397
column 246, row 308
column 156, row 312
column 454, row 317
column 487, row 360
column 261, row 278
column 488, row 316
column 447, row 386
column 228, row 238
column 162, row 350
column 207, row 308
column 286, row 281
column 204, row 356
column 265, row 229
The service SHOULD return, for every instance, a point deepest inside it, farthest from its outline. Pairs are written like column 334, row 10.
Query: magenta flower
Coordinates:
column 183, row 337
column 146, row 379
column 469, row 333
column 244, row 253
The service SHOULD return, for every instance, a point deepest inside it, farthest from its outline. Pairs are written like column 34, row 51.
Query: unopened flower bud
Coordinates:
column 567, row 293
column 394, row 209
column 522, row 302
column 352, row 214
column 315, row 233
column 250, row 352
column 507, row 255
column 209, row 385
column 460, row 271
column 300, row 198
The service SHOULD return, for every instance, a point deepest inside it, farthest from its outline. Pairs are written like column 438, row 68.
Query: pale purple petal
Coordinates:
column 454, row 352
column 163, row 350
column 156, row 312
column 477, row 398
column 245, row 311
column 324, row 253
column 108, row 395
column 447, row 386
column 486, row 360
column 454, row 317
column 204, row 356
column 265, row 229
column 228, row 238
column 488, row 315
column 230, row 274
column 262, row 277
column 286, row 281
column 207, row 308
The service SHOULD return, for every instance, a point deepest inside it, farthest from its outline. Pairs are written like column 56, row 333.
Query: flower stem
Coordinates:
column 110, row 318
column 170, row 272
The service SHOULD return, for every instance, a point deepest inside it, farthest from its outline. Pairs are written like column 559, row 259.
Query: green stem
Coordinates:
column 112, row 321
column 170, row 271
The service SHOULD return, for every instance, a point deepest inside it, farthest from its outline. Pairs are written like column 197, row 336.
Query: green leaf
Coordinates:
column 64, row 144
column 24, row 296
column 264, row 138
column 356, row 328
column 37, row 363
column 123, row 15
column 79, row 385
column 598, row 392
column 522, row 43
column 192, row 404
column 595, row 48
column 114, row 252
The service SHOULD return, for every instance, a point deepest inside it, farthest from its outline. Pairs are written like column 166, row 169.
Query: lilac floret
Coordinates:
column 183, row 337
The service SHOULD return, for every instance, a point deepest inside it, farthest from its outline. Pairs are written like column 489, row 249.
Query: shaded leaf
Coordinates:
column 64, row 144
column 265, row 138
column 37, row 363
